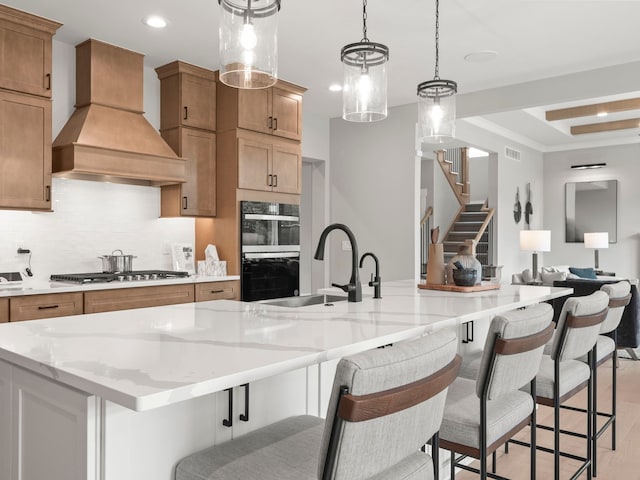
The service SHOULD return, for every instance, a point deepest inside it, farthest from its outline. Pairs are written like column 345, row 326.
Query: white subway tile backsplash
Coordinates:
column 91, row 219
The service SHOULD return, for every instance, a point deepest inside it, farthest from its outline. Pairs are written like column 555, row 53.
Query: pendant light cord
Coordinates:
column 364, row 21
column 437, row 71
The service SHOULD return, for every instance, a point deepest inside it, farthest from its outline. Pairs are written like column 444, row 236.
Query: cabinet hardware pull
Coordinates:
column 228, row 422
column 275, row 123
column 468, row 334
column 275, row 178
column 47, row 193
column 47, row 307
column 216, row 291
column 244, row 417
column 48, row 77
column 270, row 123
column 270, row 180
column 184, row 203
column 186, row 113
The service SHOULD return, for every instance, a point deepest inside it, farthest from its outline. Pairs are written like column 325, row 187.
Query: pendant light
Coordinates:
column 249, row 43
column 364, row 91
column 437, row 103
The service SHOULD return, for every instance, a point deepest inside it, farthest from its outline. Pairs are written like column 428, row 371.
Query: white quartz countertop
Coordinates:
column 151, row 357
column 40, row 287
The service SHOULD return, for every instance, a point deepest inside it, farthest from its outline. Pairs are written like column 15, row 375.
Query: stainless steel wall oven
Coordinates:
column 270, row 238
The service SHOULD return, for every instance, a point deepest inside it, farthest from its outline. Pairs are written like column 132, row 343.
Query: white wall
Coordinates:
column 374, row 191
column 623, row 165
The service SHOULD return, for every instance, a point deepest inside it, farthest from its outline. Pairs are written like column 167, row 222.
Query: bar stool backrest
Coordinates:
column 619, row 297
column 502, row 372
column 361, row 448
column 579, row 325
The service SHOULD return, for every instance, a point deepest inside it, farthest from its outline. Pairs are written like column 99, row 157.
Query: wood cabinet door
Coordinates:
column 25, row 59
column 136, row 297
column 229, row 290
column 287, row 168
column 199, row 191
column 198, row 97
column 254, row 110
column 4, row 310
column 254, row 162
column 25, row 152
column 287, row 114
column 33, row 307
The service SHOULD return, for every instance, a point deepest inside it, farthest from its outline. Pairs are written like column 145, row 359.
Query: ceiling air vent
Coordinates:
column 512, row 153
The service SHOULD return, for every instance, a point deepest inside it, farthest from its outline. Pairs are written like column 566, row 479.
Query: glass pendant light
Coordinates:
column 249, row 43
column 364, row 91
column 437, row 103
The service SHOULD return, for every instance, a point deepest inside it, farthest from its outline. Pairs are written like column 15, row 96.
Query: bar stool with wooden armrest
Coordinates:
column 606, row 348
column 482, row 414
column 562, row 376
column 385, row 405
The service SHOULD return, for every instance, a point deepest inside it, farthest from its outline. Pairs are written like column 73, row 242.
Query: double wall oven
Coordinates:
column 270, row 239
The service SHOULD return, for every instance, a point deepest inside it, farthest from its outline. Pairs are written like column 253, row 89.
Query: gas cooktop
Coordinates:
column 117, row 277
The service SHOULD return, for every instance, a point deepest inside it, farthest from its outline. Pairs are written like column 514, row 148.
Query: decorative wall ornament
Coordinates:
column 528, row 209
column 517, row 207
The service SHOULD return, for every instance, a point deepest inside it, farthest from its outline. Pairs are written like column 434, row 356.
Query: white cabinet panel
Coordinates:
column 5, row 420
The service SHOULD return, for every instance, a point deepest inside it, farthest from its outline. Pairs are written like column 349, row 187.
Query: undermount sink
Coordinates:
column 305, row 300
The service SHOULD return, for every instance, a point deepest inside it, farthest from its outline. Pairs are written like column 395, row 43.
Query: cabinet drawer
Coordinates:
column 33, row 307
column 229, row 290
column 4, row 310
column 136, row 297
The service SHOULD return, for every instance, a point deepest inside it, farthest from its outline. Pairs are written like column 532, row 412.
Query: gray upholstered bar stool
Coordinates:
column 562, row 376
column 385, row 405
column 482, row 414
column 606, row 348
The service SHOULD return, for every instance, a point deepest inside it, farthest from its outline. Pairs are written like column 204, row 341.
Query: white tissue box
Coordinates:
column 216, row 268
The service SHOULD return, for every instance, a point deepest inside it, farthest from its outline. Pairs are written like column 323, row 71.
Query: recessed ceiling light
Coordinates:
column 481, row 56
column 154, row 21
column 335, row 87
column 602, row 114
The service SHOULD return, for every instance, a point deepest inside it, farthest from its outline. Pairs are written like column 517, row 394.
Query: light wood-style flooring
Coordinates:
column 623, row 463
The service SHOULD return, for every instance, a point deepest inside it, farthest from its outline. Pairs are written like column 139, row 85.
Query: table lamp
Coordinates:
column 535, row 241
column 596, row 240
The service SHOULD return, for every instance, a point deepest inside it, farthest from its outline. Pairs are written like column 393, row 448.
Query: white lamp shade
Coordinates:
column 596, row 240
column 535, row 240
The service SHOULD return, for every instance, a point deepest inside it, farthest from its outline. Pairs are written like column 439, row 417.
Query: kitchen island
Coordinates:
column 124, row 395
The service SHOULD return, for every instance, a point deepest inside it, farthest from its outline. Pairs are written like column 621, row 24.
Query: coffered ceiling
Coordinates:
column 534, row 39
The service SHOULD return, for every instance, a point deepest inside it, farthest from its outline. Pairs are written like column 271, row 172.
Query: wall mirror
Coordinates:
column 591, row 207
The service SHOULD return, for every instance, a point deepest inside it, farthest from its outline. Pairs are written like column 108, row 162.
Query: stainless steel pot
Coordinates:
column 117, row 263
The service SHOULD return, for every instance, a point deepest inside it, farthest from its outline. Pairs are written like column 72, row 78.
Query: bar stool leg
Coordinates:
column 435, row 456
column 614, row 398
column 594, row 415
column 452, row 473
column 590, row 413
column 556, row 422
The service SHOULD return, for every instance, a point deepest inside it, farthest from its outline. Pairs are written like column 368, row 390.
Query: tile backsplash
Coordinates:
column 91, row 219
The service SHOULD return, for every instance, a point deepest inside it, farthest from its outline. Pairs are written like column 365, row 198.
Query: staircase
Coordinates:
column 472, row 221
column 470, row 224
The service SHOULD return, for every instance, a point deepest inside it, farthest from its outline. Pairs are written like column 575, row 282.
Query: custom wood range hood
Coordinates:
column 107, row 137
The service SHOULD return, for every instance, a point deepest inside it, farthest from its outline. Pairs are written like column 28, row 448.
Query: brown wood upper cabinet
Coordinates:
column 25, row 59
column 265, row 164
column 25, row 152
column 276, row 110
column 25, row 110
column 187, row 96
column 4, row 310
column 197, row 196
column 187, row 123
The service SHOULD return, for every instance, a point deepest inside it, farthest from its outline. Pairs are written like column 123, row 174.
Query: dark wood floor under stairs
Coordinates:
column 624, row 463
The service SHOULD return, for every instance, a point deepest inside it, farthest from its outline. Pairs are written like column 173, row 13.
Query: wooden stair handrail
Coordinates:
column 426, row 216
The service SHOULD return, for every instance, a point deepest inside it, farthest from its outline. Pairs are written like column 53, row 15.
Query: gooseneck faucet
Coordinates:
column 375, row 280
column 353, row 288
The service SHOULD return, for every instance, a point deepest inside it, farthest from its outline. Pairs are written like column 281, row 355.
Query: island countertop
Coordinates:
column 151, row 357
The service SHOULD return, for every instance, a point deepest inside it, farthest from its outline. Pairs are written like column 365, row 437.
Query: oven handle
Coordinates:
column 282, row 218
column 272, row 255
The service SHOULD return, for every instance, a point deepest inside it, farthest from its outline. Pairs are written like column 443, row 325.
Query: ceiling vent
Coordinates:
column 512, row 153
